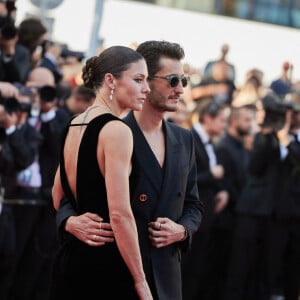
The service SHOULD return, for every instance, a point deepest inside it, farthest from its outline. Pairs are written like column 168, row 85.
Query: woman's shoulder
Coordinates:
column 117, row 127
column 117, row 138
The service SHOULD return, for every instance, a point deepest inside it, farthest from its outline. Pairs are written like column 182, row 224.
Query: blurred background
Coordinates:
column 260, row 33
column 242, row 57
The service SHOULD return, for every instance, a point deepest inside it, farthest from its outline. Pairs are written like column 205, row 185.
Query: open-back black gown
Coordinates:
column 81, row 271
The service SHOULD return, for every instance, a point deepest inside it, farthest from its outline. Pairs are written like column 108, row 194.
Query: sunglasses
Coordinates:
column 174, row 80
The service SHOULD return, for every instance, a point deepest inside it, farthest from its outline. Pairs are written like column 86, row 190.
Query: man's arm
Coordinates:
column 193, row 206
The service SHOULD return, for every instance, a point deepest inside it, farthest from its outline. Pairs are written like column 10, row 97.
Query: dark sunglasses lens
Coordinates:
column 174, row 81
column 184, row 81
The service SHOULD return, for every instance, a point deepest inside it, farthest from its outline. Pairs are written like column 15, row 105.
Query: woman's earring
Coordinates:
column 111, row 94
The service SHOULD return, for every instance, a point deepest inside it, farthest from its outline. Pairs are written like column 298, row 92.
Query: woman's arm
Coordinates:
column 116, row 146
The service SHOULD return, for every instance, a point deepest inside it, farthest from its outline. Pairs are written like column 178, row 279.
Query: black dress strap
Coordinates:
column 78, row 124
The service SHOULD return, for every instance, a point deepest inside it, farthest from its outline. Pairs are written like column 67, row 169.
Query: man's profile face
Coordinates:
column 217, row 124
column 162, row 95
column 244, row 122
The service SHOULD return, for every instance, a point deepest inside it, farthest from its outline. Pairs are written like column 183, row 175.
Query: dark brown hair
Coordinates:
column 114, row 60
column 152, row 51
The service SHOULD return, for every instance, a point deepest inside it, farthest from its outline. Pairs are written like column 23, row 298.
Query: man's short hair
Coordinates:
column 87, row 94
column 47, row 93
column 153, row 50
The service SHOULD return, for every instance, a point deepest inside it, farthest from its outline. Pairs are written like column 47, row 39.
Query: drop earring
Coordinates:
column 111, row 94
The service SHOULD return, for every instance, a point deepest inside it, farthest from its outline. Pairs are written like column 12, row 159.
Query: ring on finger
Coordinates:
column 100, row 225
column 159, row 226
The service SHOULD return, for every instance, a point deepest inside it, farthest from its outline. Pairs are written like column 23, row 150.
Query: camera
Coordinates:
column 25, row 107
column 65, row 51
column 275, row 111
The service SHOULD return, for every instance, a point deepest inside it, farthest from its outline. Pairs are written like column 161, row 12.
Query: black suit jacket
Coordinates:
column 208, row 186
column 175, row 197
column 49, row 150
column 9, row 70
column 263, row 185
column 18, row 152
column 234, row 157
column 287, row 205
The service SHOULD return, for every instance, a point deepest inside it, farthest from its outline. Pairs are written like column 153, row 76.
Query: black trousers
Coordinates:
column 204, row 267
column 7, row 250
column 285, row 257
column 248, row 274
column 37, row 243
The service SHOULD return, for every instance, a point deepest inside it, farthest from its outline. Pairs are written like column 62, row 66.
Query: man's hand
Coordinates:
column 164, row 232
column 90, row 229
column 221, row 200
column 217, row 171
column 8, row 90
column 283, row 134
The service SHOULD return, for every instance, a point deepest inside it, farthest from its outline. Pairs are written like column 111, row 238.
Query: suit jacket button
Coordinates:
column 143, row 197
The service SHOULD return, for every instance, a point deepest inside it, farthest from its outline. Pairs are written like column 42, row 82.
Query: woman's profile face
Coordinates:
column 132, row 88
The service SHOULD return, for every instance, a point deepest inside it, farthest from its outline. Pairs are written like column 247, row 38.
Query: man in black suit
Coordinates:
column 199, row 265
column 233, row 154
column 164, row 193
column 18, row 147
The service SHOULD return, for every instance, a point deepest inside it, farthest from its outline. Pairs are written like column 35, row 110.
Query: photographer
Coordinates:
column 250, row 265
column 52, row 59
column 18, row 147
column 55, row 56
column 285, row 234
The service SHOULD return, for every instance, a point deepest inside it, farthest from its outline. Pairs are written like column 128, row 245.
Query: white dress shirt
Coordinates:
column 207, row 144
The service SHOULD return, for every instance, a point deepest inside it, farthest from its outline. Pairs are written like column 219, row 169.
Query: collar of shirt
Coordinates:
column 207, row 144
column 295, row 136
column 202, row 133
column 52, row 58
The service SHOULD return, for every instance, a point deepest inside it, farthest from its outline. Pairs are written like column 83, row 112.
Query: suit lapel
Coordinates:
column 200, row 150
column 171, row 161
column 144, row 155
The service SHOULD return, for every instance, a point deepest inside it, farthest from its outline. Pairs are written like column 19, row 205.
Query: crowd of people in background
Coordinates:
column 247, row 147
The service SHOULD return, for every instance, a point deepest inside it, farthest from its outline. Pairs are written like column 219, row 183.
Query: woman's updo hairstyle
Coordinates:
column 114, row 60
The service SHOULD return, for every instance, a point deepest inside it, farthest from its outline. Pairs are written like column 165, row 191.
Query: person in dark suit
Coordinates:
column 9, row 69
column 199, row 264
column 51, row 60
column 285, row 234
column 233, row 155
column 25, row 202
column 18, row 144
column 164, row 192
column 250, row 262
column 53, row 121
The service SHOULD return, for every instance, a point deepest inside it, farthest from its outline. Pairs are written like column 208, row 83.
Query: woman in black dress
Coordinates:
column 94, row 173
